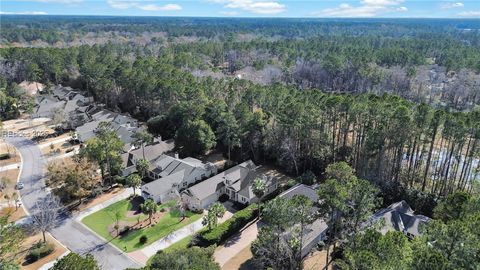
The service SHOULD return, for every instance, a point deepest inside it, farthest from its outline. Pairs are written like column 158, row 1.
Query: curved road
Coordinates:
column 69, row 232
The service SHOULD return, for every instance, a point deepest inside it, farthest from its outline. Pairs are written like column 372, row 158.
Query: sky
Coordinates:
column 249, row 8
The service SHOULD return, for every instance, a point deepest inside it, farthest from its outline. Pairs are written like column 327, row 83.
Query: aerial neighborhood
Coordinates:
column 195, row 188
column 171, row 143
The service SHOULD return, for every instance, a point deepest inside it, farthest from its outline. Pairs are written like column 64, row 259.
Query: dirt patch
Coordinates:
column 29, row 241
column 6, row 148
column 241, row 261
column 47, row 141
column 316, row 261
column 100, row 199
column 14, row 215
column 7, row 185
column 58, row 148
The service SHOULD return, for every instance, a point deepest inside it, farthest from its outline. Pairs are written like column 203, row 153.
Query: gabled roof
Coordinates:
column 208, row 187
column 301, row 189
column 166, row 165
column 165, row 184
column 152, row 151
column 399, row 216
column 239, row 178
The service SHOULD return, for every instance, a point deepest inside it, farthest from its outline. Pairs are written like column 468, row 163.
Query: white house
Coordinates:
column 173, row 174
column 235, row 182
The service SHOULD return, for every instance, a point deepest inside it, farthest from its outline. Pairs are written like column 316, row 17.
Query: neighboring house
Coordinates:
column 315, row 232
column 124, row 125
column 46, row 106
column 235, row 182
column 149, row 152
column 172, row 175
column 400, row 217
column 72, row 104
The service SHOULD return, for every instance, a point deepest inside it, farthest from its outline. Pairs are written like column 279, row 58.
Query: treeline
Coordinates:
column 335, row 64
column 386, row 138
column 56, row 28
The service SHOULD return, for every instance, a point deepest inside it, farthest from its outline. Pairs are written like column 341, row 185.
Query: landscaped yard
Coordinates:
column 164, row 222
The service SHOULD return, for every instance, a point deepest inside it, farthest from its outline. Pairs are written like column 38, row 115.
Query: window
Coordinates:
column 243, row 199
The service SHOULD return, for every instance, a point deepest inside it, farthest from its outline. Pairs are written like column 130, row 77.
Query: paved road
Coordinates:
column 69, row 232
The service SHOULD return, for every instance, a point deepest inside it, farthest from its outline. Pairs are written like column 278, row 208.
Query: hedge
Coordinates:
column 223, row 231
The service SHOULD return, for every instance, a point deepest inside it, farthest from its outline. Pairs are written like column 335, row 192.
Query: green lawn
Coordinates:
column 99, row 222
column 183, row 243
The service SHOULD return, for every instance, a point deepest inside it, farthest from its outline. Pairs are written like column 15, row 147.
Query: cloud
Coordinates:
column 167, row 7
column 381, row 2
column 23, row 13
column 253, row 6
column 68, row 2
column 470, row 14
column 127, row 4
column 368, row 8
column 453, row 5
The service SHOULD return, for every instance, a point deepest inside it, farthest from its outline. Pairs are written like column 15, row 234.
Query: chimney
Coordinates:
column 176, row 156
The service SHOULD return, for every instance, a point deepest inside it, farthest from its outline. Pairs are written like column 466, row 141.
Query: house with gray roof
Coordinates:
column 235, row 182
column 46, row 106
column 400, row 217
column 316, row 231
column 149, row 152
column 173, row 174
column 124, row 125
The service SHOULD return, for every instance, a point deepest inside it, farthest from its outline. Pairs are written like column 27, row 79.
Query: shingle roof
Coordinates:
column 165, row 184
column 300, row 189
column 236, row 175
column 400, row 217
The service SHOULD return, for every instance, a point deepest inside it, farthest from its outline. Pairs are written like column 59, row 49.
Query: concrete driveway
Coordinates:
column 69, row 232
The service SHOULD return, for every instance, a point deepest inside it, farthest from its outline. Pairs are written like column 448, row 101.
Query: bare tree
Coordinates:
column 45, row 215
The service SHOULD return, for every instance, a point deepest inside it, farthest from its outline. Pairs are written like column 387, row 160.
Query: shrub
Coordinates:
column 4, row 156
column 38, row 251
column 143, row 239
column 226, row 229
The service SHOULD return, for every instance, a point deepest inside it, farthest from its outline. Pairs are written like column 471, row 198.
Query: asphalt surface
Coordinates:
column 69, row 232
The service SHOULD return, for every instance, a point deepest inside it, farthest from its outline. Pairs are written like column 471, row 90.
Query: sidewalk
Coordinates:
column 10, row 167
column 76, row 151
column 43, row 145
column 143, row 254
column 125, row 194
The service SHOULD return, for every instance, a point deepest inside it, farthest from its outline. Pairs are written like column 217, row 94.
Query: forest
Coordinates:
column 336, row 92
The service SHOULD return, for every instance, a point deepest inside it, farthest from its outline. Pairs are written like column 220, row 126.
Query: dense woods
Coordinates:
column 339, row 97
column 386, row 138
column 376, row 111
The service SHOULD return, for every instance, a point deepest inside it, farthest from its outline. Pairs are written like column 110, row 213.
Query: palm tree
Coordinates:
column 259, row 188
column 216, row 211
column 134, row 181
column 149, row 207
column 142, row 167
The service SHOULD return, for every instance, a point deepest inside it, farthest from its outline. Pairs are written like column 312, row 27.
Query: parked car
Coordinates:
column 19, row 186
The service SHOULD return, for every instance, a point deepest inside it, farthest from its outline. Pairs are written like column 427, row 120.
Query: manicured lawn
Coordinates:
column 183, row 243
column 180, row 244
column 170, row 222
